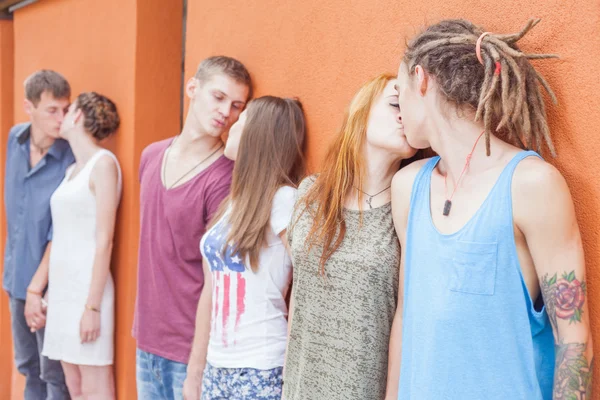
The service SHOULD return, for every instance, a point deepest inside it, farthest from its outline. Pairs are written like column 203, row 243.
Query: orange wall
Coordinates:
column 129, row 50
column 322, row 51
column 6, row 121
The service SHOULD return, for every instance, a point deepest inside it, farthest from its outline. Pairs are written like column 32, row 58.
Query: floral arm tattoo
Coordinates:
column 564, row 298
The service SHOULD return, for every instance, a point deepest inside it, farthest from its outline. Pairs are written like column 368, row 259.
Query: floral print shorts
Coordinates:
column 241, row 383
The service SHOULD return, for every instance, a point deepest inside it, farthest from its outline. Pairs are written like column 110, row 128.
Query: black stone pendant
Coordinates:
column 447, row 207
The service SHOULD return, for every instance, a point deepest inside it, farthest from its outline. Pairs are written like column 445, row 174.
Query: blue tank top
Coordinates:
column 470, row 329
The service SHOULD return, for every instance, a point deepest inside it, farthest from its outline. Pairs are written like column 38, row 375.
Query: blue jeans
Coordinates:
column 159, row 378
column 44, row 378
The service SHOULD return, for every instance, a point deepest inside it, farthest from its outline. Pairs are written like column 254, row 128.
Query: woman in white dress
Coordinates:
column 80, row 319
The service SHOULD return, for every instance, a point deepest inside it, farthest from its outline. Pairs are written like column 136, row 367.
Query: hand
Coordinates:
column 89, row 328
column 192, row 389
column 35, row 315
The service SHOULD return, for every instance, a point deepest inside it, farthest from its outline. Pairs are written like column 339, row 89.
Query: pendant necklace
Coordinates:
column 164, row 168
column 371, row 196
column 448, row 203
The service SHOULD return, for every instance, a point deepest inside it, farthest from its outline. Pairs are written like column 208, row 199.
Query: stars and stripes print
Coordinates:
column 229, row 284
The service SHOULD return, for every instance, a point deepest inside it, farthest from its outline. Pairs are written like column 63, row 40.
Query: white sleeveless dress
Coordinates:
column 73, row 207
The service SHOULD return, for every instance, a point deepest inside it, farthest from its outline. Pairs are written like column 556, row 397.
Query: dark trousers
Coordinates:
column 44, row 378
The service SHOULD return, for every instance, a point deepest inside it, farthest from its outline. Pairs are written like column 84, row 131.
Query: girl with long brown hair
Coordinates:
column 346, row 256
column 241, row 326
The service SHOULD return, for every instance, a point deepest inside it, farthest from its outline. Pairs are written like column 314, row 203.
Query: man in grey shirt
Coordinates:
column 36, row 161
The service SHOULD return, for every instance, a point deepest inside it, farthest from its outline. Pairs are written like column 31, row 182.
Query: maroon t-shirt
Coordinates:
column 170, row 277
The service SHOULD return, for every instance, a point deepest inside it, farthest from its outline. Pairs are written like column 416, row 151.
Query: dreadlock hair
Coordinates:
column 504, row 91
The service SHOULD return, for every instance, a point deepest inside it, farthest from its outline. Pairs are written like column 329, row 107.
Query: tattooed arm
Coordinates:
column 544, row 214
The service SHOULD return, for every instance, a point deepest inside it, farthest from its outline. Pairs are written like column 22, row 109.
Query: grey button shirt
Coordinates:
column 27, row 193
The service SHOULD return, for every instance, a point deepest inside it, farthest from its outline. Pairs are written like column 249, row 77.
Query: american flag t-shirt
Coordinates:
column 248, row 307
column 229, row 284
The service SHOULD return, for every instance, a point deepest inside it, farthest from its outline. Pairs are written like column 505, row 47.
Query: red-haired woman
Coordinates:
column 346, row 256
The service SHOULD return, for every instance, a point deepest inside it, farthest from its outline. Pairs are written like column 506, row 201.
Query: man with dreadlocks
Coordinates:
column 493, row 295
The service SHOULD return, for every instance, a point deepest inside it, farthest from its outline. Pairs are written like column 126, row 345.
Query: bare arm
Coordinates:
column 34, row 311
column 395, row 349
column 195, row 368
column 401, row 190
column 289, row 326
column 104, row 184
column 40, row 279
column 283, row 237
column 544, row 213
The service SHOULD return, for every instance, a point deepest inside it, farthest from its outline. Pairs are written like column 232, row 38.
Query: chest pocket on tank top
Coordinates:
column 473, row 268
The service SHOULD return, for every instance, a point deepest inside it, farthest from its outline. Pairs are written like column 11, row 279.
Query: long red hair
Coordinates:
column 344, row 166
